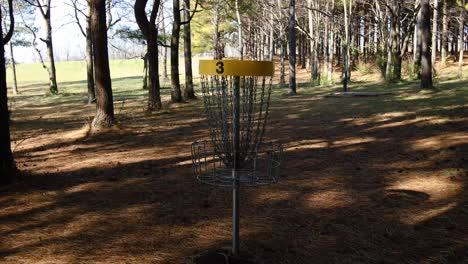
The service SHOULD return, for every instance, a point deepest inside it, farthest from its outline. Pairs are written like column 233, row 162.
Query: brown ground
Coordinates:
column 376, row 180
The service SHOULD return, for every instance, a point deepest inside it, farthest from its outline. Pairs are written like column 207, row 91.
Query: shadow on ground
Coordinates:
column 365, row 180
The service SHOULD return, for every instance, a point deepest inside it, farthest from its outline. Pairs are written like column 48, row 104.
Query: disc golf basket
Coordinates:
column 236, row 97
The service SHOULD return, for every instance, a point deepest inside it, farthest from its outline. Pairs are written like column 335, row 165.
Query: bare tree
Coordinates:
column 216, row 46
column 162, row 32
column 434, row 32
column 239, row 30
column 176, row 94
column 189, row 90
column 426, row 65
column 86, row 32
column 104, row 101
column 13, row 68
column 150, row 31
column 444, row 42
column 12, row 57
column 7, row 163
column 292, row 47
column 461, row 39
column 282, row 44
column 347, row 6
column 417, row 44
column 396, row 40
column 44, row 7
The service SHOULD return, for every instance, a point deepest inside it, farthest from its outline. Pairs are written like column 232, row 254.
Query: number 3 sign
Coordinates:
column 236, row 68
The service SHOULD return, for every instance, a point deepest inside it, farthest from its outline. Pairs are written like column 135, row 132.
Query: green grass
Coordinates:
column 127, row 84
column 71, row 75
column 73, row 71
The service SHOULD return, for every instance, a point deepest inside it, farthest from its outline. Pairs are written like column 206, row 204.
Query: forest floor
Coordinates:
column 364, row 179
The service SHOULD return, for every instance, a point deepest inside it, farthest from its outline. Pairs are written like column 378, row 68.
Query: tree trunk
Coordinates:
column 312, row 44
column 426, row 65
column 434, row 33
column 338, row 52
column 104, row 101
column 304, row 52
column 388, row 69
column 239, row 31
column 444, row 34
column 145, row 71
column 154, row 95
column 461, row 40
column 189, row 90
column 282, row 42
column 176, row 94
column 292, row 47
column 390, row 42
column 166, row 76
column 13, row 67
column 50, row 54
column 164, row 49
column 7, row 164
column 282, row 78
column 345, row 78
column 376, row 38
column 272, row 36
column 331, row 45
column 150, row 31
column 396, row 39
column 418, row 44
column 326, row 44
column 351, row 39
column 89, row 65
column 216, row 52
column 299, row 49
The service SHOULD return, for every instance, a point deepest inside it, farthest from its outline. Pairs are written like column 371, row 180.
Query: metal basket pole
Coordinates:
column 237, row 115
column 235, row 176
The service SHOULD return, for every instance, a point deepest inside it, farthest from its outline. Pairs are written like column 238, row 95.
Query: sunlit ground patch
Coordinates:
column 329, row 199
column 440, row 141
column 437, row 187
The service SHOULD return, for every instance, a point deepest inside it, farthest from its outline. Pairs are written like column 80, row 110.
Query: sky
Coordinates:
column 68, row 41
column 67, row 38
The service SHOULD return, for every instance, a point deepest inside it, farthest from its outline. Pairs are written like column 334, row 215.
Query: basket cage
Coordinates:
column 261, row 167
column 256, row 163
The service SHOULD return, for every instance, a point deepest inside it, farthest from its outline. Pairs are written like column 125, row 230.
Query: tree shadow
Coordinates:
column 368, row 180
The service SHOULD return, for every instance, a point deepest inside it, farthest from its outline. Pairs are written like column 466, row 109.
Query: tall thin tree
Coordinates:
column 44, row 7
column 176, row 94
column 434, row 32
column 347, row 4
column 282, row 44
column 104, row 101
column 461, row 39
column 150, row 31
column 7, row 164
column 292, row 47
column 425, row 27
column 189, row 90
column 86, row 32
column 417, row 53
column 444, row 41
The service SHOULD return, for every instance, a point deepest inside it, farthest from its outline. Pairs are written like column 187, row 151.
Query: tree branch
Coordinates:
column 318, row 10
column 191, row 16
column 76, row 10
column 12, row 24
column 298, row 26
column 140, row 16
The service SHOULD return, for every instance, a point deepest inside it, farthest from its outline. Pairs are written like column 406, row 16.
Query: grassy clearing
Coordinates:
column 365, row 180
